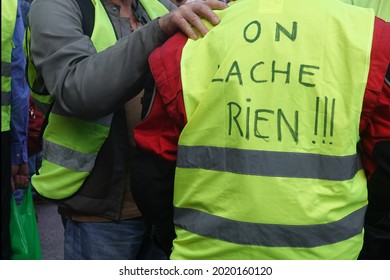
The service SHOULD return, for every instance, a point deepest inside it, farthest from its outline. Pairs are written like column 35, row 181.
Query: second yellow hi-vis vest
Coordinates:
column 71, row 145
column 8, row 21
column 267, row 164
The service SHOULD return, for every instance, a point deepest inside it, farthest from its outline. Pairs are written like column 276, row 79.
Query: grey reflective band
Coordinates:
column 68, row 158
column 5, row 69
column 266, row 163
column 5, row 98
column 270, row 235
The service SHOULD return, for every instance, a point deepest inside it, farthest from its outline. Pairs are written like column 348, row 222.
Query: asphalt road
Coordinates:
column 50, row 230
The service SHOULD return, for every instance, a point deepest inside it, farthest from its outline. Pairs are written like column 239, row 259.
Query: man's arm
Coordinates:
column 19, row 108
column 84, row 83
column 375, row 118
column 375, row 136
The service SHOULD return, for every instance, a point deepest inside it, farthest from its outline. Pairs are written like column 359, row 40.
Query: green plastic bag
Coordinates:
column 25, row 244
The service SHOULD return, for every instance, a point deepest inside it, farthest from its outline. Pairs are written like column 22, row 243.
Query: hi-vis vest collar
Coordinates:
column 68, row 155
column 267, row 164
column 8, row 20
column 147, row 10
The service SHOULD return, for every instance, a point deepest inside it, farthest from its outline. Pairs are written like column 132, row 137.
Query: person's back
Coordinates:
column 267, row 164
column 283, row 129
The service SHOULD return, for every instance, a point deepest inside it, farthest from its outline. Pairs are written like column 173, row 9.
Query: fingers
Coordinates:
column 188, row 17
column 193, row 16
column 20, row 181
column 19, row 178
column 182, row 22
column 204, row 9
column 23, row 169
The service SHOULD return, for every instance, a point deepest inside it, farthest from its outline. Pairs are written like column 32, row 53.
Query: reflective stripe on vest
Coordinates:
column 267, row 163
column 271, row 235
column 279, row 164
column 68, row 155
column 8, row 21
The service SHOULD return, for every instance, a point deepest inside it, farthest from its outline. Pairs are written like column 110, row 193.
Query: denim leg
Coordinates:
column 149, row 250
column 123, row 240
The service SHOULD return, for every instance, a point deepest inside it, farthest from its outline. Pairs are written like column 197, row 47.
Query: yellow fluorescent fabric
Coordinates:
column 76, row 142
column 154, row 8
column 8, row 20
column 288, row 77
column 71, row 145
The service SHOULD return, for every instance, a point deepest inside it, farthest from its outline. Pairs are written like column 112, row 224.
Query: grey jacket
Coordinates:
column 90, row 85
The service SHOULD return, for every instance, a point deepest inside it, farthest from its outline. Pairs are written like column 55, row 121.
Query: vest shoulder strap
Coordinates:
column 88, row 13
column 140, row 11
column 88, row 20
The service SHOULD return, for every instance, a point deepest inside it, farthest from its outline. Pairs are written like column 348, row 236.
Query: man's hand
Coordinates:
column 188, row 16
column 19, row 177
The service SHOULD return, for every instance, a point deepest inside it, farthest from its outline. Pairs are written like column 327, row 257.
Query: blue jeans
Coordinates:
column 123, row 240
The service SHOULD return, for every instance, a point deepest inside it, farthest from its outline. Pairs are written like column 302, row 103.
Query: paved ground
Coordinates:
column 51, row 231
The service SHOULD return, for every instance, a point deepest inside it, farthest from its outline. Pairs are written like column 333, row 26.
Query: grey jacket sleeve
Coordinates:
column 84, row 83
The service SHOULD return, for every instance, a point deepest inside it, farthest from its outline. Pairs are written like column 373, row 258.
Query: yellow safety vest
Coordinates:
column 267, row 164
column 8, row 21
column 68, row 155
